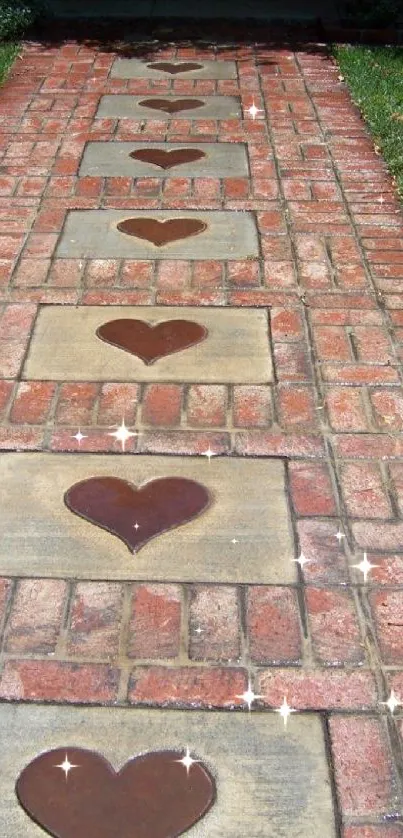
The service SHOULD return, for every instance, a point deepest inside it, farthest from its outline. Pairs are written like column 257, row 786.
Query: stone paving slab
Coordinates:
column 65, row 346
column 123, row 106
column 270, row 782
column 93, row 234
column 111, row 159
column 40, row 536
column 134, row 68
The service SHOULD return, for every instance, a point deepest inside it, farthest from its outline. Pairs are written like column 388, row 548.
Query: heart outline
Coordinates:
column 200, row 334
column 152, row 769
column 125, row 491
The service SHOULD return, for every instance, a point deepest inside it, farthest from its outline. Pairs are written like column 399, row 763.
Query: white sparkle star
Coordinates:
column 285, row 711
column 249, row 696
column 209, row 454
column 253, row 110
column 136, row 526
column 365, row 567
column 392, row 702
column 199, row 630
column 66, row 766
column 234, row 541
column 79, row 436
column 340, row 535
column 187, row 760
column 381, row 200
column 122, row 434
column 301, row 560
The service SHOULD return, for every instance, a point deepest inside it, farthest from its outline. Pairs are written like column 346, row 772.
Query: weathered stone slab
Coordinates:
column 93, row 234
column 112, row 159
column 123, row 106
column 135, row 68
column 270, row 782
column 42, row 537
column 65, row 346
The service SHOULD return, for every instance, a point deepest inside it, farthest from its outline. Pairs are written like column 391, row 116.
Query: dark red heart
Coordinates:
column 167, row 159
column 152, row 796
column 168, row 67
column 137, row 515
column 150, row 342
column 161, row 232
column 172, row 105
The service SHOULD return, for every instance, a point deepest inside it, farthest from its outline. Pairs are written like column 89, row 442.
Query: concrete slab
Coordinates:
column 135, row 68
column 93, row 234
column 271, row 783
column 236, row 349
column 41, row 537
column 123, row 106
column 113, row 159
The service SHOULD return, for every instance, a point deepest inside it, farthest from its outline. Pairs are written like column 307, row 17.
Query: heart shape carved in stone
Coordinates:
column 150, row 342
column 160, row 232
column 169, row 67
column 167, row 159
column 172, row 105
column 152, row 796
column 136, row 515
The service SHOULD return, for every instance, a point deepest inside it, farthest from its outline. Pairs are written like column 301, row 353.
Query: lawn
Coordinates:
column 8, row 52
column 375, row 78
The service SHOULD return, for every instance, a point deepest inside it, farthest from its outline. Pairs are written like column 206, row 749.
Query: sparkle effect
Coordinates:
column 66, row 766
column 340, row 535
column 209, row 454
column 187, row 760
column 301, row 560
column 365, row 567
column 393, row 702
column 249, row 696
column 79, row 436
column 253, row 110
column 122, row 434
column 285, row 711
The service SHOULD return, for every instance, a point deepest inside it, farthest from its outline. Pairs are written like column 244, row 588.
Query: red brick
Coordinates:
column 102, row 273
column 174, row 275
column 273, row 626
column 363, row 766
column 268, row 443
column 331, row 343
column 6, row 389
column 155, row 622
column 32, row 402
column 286, row 325
column 95, row 620
column 215, row 612
column 371, row 535
column 336, row 637
column 184, row 442
column 296, row 407
column 6, row 587
column 346, row 409
column 318, row 543
column 292, row 362
column 31, row 272
column 206, row 405
column 318, row 690
column 364, row 492
column 359, row 374
column 76, row 404
column 236, row 187
column 387, row 608
column 35, row 620
column 92, row 186
column 311, row 489
column 188, row 687
column 207, row 274
column 40, row 245
column 162, row 405
column 117, row 402
column 66, row 273
column 388, row 409
column 382, row 831
column 37, row 680
column 136, row 274
column 252, row 406
column 243, row 274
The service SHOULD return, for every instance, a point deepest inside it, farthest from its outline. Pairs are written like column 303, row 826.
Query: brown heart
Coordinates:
column 152, row 796
column 161, row 232
column 167, row 159
column 150, row 342
column 137, row 515
column 168, row 67
column 172, row 105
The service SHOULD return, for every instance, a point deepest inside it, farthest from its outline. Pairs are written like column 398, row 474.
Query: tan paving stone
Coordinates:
column 65, row 346
column 41, row 537
column 270, row 782
column 134, row 68
column 122, row 106
column 112, row 159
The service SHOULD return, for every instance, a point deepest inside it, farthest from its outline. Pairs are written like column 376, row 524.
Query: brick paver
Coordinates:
column 330, row 277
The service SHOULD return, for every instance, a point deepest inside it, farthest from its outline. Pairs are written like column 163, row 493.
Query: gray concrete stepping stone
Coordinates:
column 123, row 106
column 112, row 159
column 94, row 234
column 156, row 68
column 65, row 346
column 243, row 536
column 270, row 782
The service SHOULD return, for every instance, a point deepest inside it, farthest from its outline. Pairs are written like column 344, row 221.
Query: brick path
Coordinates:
column 332, row 274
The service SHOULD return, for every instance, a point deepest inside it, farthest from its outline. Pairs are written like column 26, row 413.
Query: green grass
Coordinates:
column 8, row 52
column 375, row 78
